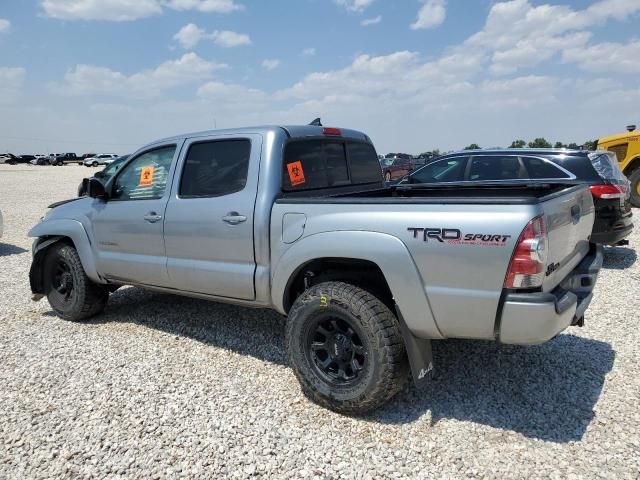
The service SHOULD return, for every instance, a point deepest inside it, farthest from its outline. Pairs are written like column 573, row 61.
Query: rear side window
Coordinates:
column 446, row 170
column 620, row 151
column 312, row 164
column 487, row 168
column 212, row 169
column 365, row 167
column 540, row 168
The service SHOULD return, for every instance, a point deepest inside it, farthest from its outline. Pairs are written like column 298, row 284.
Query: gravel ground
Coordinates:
column 166, row 387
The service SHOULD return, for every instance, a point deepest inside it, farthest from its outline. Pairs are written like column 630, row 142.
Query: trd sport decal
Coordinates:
column 453, row 235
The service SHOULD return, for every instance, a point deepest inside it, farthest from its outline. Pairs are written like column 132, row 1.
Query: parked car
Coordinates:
column 396, row 168
column 8, row 158
column 103, row 175
column 100, row 159
column 26, row 158
column 297, row 218
column 40, row 160
column 626, row 147
column 599, row 170
column 60, row 159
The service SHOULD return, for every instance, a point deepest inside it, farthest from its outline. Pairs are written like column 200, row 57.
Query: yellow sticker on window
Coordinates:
column 146, row 176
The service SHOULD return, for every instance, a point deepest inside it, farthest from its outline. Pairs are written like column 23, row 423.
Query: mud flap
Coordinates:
column 419, row 354
column 35, row 272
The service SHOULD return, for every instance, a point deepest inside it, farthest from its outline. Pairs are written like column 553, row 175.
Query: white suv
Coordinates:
column 100, row 159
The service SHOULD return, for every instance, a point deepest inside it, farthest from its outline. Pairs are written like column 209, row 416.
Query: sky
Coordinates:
column 415, row 75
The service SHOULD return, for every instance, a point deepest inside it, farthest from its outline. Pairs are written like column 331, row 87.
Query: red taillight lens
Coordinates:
column 608, row 191
column 526, row 269
column 331, row 131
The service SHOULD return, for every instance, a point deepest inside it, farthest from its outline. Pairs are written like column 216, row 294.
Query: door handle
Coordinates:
column 152, row 217
column 234, row 218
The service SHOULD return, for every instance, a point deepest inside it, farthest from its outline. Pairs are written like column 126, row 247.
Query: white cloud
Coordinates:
column 606, row 57
column 5, row 25
column 190, row 35
column 520, row 34
column 127, row 10
column 270, row 63
column 233, row 97
column 430, row 15
column 228, row 39
column 308, row 52
column 208, row 6
column 95, row 80
column 371, row 21
column 11, row 81
column 354, row 5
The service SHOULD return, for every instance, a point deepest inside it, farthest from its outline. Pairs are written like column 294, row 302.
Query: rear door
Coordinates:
column 209, row 220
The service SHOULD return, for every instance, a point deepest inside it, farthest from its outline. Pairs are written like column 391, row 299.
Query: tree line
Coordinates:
column 540, row 142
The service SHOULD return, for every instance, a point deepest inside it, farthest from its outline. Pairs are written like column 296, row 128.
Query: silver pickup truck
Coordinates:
column 297, row 218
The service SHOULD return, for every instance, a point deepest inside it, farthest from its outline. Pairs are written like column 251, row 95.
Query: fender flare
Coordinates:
column 63, row 228
column 386, row 251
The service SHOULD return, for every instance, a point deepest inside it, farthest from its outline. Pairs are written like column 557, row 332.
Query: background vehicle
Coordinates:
column 395, row 168
column 626, row 147
column 26, row 158
column 40, row 160
column 100, row 159
column 103, row 175
column 298, row 219
column 8, row 158
column 609, row 187
column 60, row 159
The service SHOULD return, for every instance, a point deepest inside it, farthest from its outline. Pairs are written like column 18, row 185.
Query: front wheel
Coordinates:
column 635, row 187
column 94, row 164
column 71, row 294
column 345, row 348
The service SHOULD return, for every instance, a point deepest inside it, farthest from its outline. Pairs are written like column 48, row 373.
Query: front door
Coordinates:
column 208, row 225
column 128, row 227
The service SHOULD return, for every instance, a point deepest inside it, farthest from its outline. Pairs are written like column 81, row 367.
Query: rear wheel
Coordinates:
column 71, row 294
column 345, row 348
column 634, row 178
column 94, row 164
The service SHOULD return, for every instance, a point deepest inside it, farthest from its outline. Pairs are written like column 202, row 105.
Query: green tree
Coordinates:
column 573, row 146
column 518, row 144
column 589, row 145
column 473, row 146
column 539, row 143
column 432, row 153
column 559, row 145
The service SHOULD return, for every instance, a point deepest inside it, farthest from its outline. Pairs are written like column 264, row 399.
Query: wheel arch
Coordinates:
column 51, row 232
column 384, row 257
column 633, row 165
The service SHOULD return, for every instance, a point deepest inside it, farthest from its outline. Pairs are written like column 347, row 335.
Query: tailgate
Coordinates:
column 569, row 218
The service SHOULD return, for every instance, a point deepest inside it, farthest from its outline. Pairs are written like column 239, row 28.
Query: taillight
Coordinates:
column 608, row 191
column 526, row 269
column 331, row 131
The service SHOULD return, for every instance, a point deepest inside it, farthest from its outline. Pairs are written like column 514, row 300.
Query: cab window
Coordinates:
column 145, row 177
column 494, row 167
column 620, row 151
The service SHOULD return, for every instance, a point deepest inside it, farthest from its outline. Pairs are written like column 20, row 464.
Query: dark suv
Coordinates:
column 599, row 169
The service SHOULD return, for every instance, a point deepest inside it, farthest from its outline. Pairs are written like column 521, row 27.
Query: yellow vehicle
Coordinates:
column 626, row 146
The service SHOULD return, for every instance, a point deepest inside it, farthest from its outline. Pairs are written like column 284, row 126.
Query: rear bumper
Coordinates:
column 532, row 318
column 619, row 231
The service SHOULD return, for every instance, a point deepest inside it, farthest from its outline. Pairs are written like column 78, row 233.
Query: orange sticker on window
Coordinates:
column 146, row 176
column 296, row 174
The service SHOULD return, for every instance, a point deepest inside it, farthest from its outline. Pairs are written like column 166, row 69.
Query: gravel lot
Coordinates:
column 165, row 387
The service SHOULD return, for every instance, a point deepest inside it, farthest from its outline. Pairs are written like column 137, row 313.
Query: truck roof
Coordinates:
column 293, row 131
column 520, row 151
column 619, row 136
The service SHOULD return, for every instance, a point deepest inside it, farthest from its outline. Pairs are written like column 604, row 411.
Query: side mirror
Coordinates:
column 99, row 174
column 95, row 189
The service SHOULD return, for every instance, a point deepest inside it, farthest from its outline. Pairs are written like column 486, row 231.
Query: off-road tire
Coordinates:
column 385, row 368
column 634, row 178
column 86, row 298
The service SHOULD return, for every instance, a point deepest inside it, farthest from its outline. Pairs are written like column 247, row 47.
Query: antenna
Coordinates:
column 316, row 122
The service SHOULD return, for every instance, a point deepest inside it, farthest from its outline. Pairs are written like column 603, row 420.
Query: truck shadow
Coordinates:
column 619, row 258
column 546, row 392
column 7, row 249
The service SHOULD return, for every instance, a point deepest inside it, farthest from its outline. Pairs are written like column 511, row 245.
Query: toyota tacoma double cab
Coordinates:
column 298, row 219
